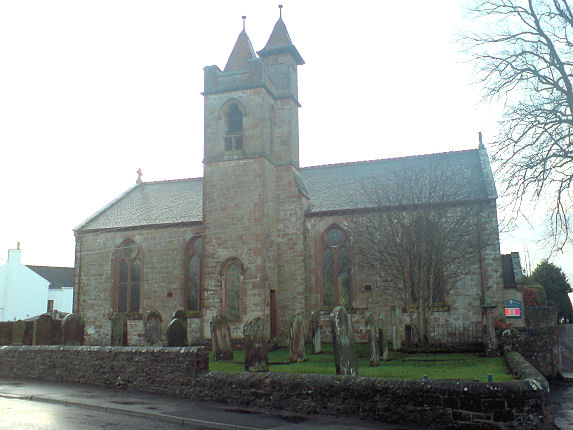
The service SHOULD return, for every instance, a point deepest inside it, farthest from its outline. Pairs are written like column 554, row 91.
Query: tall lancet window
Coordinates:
column 234, row 136
column 128, row 277
column 193, row 256
column 336, row 268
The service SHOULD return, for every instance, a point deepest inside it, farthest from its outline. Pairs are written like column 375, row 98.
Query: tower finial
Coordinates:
column 480, row 141
column 244, row 18
column 280, row 10
column 139, row 175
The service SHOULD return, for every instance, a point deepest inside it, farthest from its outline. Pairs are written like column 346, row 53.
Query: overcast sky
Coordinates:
column 92, row 91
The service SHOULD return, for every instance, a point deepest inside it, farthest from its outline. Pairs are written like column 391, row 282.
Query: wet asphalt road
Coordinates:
column 562, row 399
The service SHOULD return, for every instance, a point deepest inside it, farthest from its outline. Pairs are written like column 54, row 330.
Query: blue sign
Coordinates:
column 512, row 308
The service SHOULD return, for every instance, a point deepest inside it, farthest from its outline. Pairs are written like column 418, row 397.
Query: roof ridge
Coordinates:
column 49, row 267
column 349, row 163
column 172, row 180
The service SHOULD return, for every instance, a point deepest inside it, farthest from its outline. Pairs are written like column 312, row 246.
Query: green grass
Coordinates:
column 402, row 366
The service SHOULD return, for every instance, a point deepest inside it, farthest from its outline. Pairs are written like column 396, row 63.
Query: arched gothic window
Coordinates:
column 425, row 261
column 193, row 255
column 128, row 277
column 234, row 136
column 336, row 268
column 233, row 281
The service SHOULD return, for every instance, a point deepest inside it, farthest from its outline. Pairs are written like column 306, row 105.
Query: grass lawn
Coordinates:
column 402, row 366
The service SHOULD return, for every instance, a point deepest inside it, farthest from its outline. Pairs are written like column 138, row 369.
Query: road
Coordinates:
column 39, row 405
column 27, row 415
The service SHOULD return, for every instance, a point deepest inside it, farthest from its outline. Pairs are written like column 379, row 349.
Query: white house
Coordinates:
column 27, row 291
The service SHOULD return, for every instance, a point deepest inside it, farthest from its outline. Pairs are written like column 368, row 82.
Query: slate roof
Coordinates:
column 280, row 42
column 59, row 277
column 463, row 175
column 240, row 55
column 152, row 203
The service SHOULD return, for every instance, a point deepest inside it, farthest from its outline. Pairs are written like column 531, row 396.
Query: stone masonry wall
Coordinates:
column 523, row 404
column 372, row 295
column 149, row 368
column 161, row 284
column 539, row 345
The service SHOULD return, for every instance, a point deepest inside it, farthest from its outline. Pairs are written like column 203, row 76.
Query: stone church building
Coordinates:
column 257, row 235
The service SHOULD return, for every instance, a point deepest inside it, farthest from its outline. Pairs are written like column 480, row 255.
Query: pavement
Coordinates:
column 171, row 409
column 562, row 399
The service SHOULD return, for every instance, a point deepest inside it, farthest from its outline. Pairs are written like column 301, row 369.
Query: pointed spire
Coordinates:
column 280, row 42
column 242, row 52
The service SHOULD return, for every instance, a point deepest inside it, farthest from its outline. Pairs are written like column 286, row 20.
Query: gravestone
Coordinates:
column 180, row 313
column 343, row 342
column 296, row 338
column 256, row 349
column 73, row 329
column 18, row 331
column 152, row 326
column 382, row 344
column 119, row 329
column 489, row 338
column 42, row 330
column 315, row 332
column 396, row 323
column 57, row 327
column 177, row 332
column 221, row 338
column 373, row 343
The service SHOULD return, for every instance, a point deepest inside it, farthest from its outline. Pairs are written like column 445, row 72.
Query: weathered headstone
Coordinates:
column 382, row 344
column 296, row 338
column 73, row 329
column 57, row 334
column 180, row 313
column 489, row 338
column 177, row 332
column 343, row 342
column 256, row 348
column 373, row 344
column 152, row 325
column 18, row 331
column 221, row 338
column 42, row 330
column 5, row 332
column 119, row 329
column 396, row 323
column 315, row 332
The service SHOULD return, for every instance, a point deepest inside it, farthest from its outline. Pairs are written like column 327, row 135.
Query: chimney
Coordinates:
column 14, row 255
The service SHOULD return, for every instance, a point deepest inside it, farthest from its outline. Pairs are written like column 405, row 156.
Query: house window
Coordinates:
column 50, row 306
column 336, row 268
column 128, row 278
column 193, row 256
column 234, row 136
column 233, row 280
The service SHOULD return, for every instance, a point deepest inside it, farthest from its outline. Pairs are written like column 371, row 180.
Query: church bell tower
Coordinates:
column 253, row 204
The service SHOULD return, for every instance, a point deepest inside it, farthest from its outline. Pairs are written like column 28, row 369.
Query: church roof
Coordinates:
column 151, row 203
column 463, row 175
column 280, row 42
column 242, row 52
column 433, row 178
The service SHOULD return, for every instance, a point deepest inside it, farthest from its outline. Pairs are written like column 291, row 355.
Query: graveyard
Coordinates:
column 384, row 379
column 448, row 366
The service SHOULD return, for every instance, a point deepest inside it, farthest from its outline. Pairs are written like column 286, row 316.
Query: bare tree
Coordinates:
column 524, row 56
column 423, row 233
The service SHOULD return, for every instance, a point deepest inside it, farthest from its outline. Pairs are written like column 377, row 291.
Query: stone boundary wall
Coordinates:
column 144, row 368
column 522, row 403
column 539, row 345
